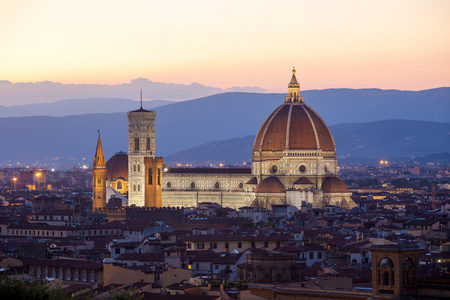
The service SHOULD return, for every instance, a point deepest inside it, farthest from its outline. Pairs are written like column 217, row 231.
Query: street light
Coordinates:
column 38, row 175
column 15, row 180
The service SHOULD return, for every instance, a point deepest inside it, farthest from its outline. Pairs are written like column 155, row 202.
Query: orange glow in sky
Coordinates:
column 353, row 44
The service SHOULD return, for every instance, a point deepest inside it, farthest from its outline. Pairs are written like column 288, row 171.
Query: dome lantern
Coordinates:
column 293, row 90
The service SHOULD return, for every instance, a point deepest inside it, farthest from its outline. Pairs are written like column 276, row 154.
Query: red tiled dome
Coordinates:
column 270, row 185
column 294, row 126
column 334, row 185
column 117, row 166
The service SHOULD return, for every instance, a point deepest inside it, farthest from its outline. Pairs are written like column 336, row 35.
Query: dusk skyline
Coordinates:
column 347, row 44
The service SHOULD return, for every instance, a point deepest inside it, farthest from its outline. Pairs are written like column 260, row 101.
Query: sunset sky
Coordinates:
column 352, row 44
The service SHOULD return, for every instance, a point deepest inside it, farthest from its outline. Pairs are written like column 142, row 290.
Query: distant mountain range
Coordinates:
column 48, row 91
column 187, row 124
column 335, row 106
column 72, row 107
column 391, row 139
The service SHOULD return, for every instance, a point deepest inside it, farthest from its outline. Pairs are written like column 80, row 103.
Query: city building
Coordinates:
column 293, row 161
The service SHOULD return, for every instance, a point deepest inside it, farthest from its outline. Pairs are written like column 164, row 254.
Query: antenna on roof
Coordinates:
column 141, row 98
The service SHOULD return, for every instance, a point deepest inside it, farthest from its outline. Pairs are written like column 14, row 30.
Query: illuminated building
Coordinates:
column 294, row 160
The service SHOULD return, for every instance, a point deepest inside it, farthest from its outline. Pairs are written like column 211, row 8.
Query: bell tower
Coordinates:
column 394, row 271
column 141, row 145
column 99, row 178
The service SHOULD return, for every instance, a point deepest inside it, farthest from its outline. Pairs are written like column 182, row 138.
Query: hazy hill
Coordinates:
column 182, row 125
column 72, row 107
column 334, row 105
column 373, row 140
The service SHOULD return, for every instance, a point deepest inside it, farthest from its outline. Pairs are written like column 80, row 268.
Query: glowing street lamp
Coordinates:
column 15, row 180
column 38, row 175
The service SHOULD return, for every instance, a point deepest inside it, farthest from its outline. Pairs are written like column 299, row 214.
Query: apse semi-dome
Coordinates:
column 334, row 185
column 294, row 126
column 117, row 166
column 270, row 185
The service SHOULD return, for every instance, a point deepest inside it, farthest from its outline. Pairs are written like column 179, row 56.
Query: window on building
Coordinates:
column 159, row 176
column 150, row 176
column 201, row 246
column 134, row 188
column 148, row 144
column 386, row 278
column 189, row 246
column 227, row 245
column 311, row 255
column 117, row 251
column 119, row 185
column 216, row 267
column 99, row 182
column 139, row 168
column 138, row 187
column 319, row 255
column 253, row 244
column 99, row 195
column 197, row 266
column 239, row 244
column 136, row 144
column 134, row 168
column 266, row 244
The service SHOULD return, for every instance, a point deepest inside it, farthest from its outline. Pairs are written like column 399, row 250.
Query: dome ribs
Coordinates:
column 323, row 133
column 301, row 135
column 275, row 135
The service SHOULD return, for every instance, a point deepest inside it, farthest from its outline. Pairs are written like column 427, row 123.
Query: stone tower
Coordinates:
column 394, row 271
column 141, row 144
column 99, row 178
column 153, row 182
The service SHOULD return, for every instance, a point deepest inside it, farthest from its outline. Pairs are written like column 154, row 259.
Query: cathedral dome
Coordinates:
column 270, row 185
column 294, row 126
column 117, row 166
column 334, row 185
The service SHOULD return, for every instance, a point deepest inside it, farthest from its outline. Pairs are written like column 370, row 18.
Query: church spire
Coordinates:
column 99, row 178
column 293, row 90
column 99, row 159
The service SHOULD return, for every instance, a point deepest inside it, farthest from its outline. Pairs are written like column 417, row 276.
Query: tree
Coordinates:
column 14, row 288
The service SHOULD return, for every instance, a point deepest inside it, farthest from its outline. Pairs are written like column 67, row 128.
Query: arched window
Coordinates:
column 134, row 168
column 99, row 182
column 136, row 144
column 134, row 187
column 139, row 168
column 386, row 262
column 139, row 187
column 385, row 278
column 119, row 185
column 148, row 144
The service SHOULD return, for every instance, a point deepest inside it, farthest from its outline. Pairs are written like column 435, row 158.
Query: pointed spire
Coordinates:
column 99, row 159
column 294, row 83
column 293, row 90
